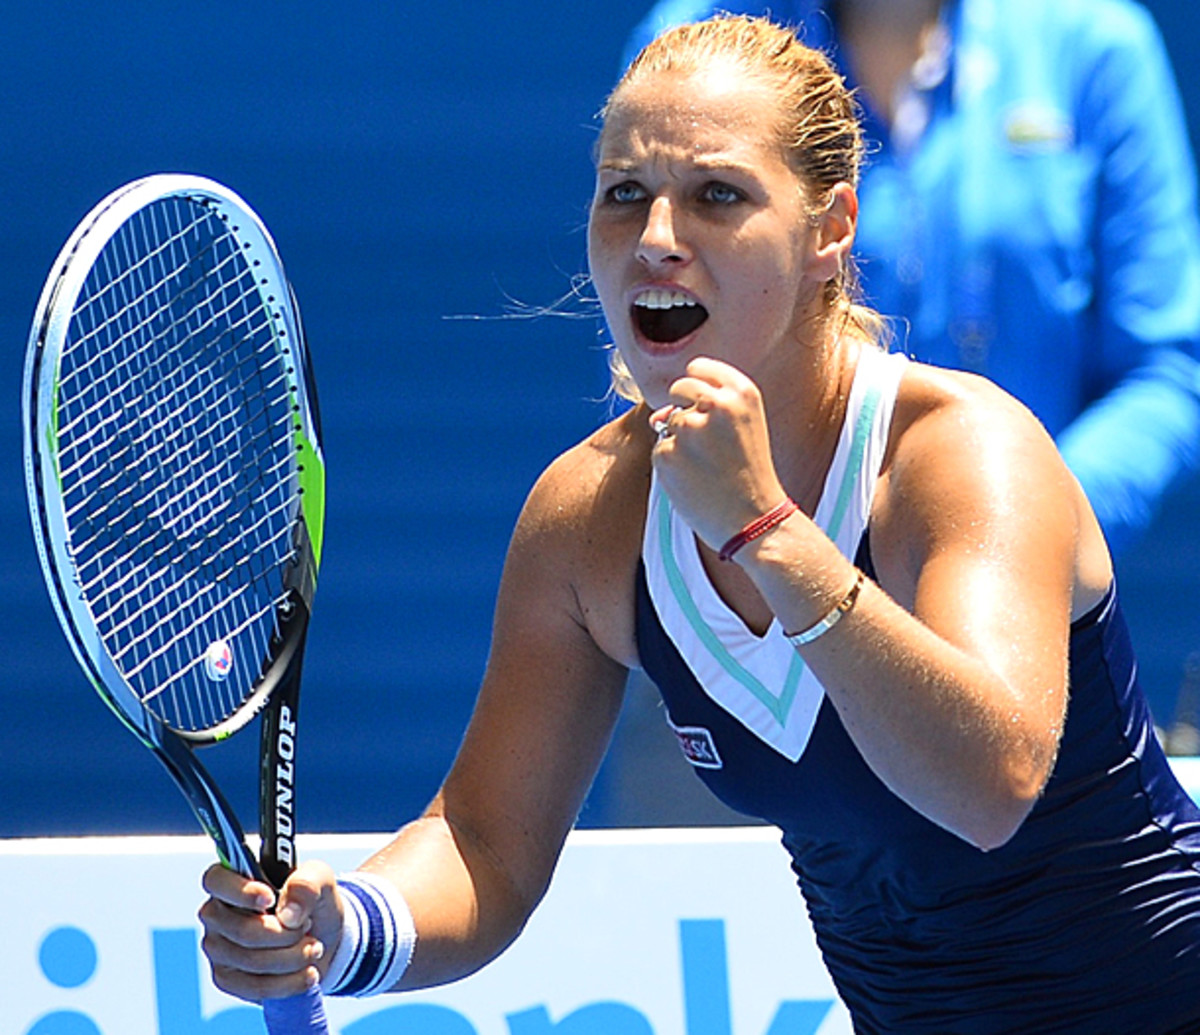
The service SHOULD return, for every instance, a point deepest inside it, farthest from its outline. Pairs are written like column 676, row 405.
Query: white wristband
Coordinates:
column 378, row 938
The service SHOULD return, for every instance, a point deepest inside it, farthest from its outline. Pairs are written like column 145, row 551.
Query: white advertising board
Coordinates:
column 652, row 932
column 696, row 932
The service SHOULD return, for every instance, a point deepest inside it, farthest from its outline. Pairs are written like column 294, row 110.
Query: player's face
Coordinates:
column 698, row 235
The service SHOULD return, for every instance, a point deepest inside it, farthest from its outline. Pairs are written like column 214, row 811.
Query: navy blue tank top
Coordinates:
column 1086, row 921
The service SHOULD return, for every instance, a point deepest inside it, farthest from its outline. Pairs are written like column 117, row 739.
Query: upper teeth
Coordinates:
column 657, row 298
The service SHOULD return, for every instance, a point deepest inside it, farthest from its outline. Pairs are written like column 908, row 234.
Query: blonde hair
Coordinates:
column 819, row 128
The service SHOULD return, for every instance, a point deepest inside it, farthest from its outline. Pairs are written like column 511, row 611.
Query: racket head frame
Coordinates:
column 40, row 419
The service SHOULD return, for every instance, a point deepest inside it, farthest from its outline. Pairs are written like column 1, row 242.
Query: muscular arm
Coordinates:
column 951, row 676
column 475, row 865
column 950, row 673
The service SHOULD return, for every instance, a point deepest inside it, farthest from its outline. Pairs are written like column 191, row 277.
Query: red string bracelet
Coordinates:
column 759, row 526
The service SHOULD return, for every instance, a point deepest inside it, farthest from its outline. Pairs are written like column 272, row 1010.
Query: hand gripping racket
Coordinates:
column 176, row 484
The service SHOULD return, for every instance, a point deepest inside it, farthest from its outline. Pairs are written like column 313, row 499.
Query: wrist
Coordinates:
column 377, row 941
column 758, row 528
column 805, row 580
column 819, row 628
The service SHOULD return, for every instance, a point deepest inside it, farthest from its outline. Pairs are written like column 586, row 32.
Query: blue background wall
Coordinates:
column 416, row 163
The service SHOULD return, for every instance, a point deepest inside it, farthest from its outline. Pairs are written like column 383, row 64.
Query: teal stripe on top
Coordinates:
column 779, row 705
column 862, row 432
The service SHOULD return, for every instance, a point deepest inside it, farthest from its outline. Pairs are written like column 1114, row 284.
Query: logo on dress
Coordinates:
column 698, row 746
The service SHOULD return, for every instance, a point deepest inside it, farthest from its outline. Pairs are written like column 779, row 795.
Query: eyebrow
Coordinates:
column 703, row 164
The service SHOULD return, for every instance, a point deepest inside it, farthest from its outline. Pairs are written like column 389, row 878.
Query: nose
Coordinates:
column 660, row 240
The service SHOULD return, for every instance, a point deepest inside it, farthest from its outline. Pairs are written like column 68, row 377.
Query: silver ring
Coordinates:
column 662, row 426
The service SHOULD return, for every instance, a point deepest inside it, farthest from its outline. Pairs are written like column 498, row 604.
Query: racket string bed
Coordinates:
column 198, row 381
column 116, row 277
column 161, row 519
column 221, row 573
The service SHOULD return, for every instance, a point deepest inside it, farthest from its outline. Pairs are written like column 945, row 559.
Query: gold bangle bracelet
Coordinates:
column 823, row 626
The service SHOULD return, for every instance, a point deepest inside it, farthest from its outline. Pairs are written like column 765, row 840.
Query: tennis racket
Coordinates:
column 176, row 485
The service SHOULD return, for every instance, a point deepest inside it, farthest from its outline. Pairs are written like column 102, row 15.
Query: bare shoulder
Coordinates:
column 970, row 469
column 582, row 524
column 956, row 414
column 610, row 466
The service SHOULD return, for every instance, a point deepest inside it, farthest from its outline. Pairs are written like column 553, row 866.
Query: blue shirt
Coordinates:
column 1033, row 219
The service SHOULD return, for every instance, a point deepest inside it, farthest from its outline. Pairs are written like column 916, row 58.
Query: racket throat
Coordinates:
column 277, row 799
column 215, row 814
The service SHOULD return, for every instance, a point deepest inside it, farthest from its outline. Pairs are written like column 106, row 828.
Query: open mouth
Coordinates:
column 666, row 316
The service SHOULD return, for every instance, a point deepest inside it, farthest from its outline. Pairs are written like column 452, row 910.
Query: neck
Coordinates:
column 805, row 411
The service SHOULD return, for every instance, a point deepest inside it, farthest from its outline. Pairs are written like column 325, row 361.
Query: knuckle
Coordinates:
column 237, row 983
column 217, row 951
column 213, row 916
column 304, row 885
column 210, row 878
column 223, row 978
column 204, row 913
column 214, row 949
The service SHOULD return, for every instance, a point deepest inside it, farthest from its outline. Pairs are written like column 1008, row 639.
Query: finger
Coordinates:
column 253, row 959
column 250, row 929
column 697, row 395
column 660, row 422
column 306, row 890
column 236, row 890
column 661, row 415
column 257, row 987
column 687, row 391
column 714, row 372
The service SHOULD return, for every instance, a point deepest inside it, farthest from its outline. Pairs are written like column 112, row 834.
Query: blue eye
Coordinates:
column 722, row 193
column 626, row 192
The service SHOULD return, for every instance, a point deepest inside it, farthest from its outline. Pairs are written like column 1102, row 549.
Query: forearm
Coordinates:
column 466, row 909
column 964, row 745
column 966, row 748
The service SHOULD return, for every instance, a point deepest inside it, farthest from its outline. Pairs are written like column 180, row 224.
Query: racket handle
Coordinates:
column 299, row 1015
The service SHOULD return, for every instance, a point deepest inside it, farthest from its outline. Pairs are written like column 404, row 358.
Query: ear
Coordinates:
column 833, row 233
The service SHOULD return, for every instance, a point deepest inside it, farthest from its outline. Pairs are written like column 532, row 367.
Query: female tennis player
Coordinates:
column 879, row 609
